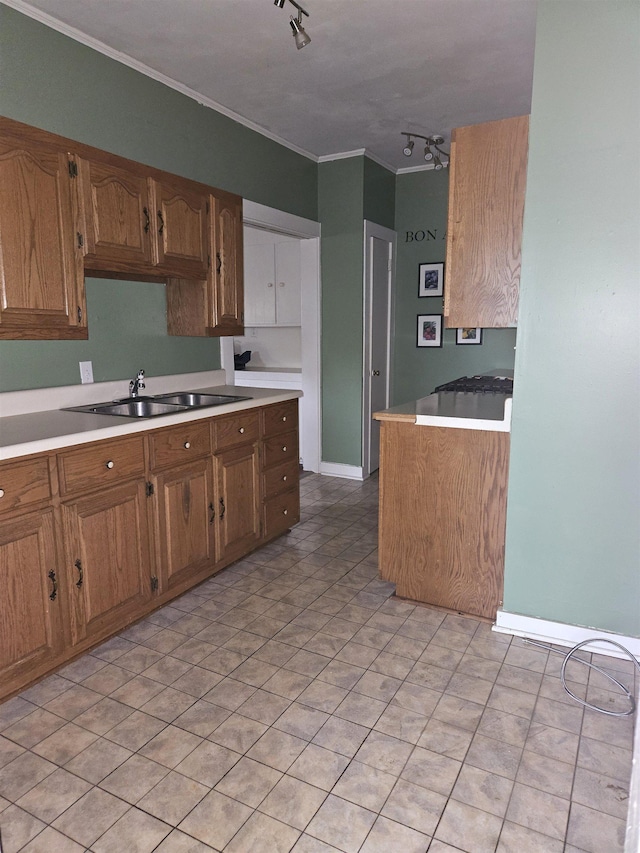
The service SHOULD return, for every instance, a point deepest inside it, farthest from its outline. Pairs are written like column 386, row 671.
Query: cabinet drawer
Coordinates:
column 281, row 513
column 280, row 417
column 235, row 429
column 100, row 464
column 281, row 478
column 24, row 484
column 280, row 448
column 179, row 444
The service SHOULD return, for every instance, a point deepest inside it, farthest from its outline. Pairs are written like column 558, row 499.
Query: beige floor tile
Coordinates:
column 559, row 715
column 82, row 668
column 238, row 733
column 136, row 730
column 216, row 819
column 519, row 839
column 167, row 670
column 319, row 767
column 249, row 782
column 277, row 749
column 170, row 746
column 539, row 811
column 134, row 778
column 52, row 841
column 341, row 674
column 468, row 828
column 392, row 665
column 546, row 774
column 415, row 806
column 168, row 704
column 91, row 816
column 600, row 792
column 414, row 697
column 263, row 834
column 429, row 675
column 197, row 682
column 65, row 743
column 483, row 790
column 18, row 828
column 179, row 842
column 208, row 763
column 361, row 709
column 341, row 736
column 594, row 832
column 103, row 716
column 508, row 728
column 365, row 785
column 34, row 728
column 230, row 694
column 595, row 755
column 9, row 751
column 431, row 770
column 293, row 802
column 173, row 798
column 49, row 798
column 512, row 701
column 138, row 691
column 135, row 832
column 202, row 718
column 445, row 739
column 222, row 661
column 46, row 690
column 342, row 824
column 301, row 721
column 387, row 835
column 138, row 658
column 192, row 651
column 22, row 774
column 98, row 760
column 107, row 679
column 384, row 752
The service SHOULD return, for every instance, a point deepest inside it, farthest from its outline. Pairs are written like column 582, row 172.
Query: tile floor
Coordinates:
column 290, row 703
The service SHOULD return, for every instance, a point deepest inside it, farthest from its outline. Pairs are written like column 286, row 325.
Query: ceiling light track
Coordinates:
column 438, row 158
column 302, row 39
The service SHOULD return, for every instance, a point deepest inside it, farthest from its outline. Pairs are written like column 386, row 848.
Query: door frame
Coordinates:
column 280, row 222
column 372, row 229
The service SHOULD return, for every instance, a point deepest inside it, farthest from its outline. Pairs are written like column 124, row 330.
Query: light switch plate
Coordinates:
column 86, row 372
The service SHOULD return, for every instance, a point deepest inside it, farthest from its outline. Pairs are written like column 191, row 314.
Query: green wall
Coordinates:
column 53, row 82
column 573, row 550
column 421, row 225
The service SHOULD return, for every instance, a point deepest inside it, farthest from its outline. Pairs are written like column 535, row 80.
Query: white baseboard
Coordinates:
column 337, row 469
column 562, row 634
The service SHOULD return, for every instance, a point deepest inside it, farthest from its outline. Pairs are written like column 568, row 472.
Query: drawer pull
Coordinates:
column 284, row 478
column 241, row 430
column 212, row 510
column 1, row 493
column 222, row 508
column 284, row 449
column 285, row 512
column 284, row 417
column 187, row 445
column 110, row 464
column 54, row 591
column 78, row 565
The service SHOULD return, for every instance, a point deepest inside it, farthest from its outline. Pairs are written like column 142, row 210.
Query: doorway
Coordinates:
column 379, row 278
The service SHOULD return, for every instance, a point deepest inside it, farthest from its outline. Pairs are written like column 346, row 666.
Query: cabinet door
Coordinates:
column 41, row 275
column 117, row 217
column 227, row 266
column 30, row 628
column 180, row 226
column 107, row 554
column 484, row 233
column 237, row 501
column 259, row 285
column 287, row 284
column 185, row 522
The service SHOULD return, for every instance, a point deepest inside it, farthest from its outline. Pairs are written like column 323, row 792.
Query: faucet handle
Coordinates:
column 140, row 379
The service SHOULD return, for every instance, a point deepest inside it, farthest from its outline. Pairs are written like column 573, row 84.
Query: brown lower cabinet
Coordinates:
column 443, row 495
column 94, row 537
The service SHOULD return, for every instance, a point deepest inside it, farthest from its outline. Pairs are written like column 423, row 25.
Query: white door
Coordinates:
column 379, row 274
column 259, row 283
column 287, row 281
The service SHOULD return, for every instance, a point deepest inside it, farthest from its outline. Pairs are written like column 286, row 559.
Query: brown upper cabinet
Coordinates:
column 67, row 208
column 41, row 275
column 487, row 181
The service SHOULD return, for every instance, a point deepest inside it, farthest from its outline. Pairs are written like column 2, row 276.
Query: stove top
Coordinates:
column 479, row 385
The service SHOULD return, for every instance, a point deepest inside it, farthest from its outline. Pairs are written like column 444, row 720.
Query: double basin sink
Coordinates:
column 160, row 404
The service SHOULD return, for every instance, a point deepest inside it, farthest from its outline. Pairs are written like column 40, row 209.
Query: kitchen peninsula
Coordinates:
column 443, row 486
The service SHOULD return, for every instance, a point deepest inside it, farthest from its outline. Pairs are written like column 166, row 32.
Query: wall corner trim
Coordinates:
column 338, row 469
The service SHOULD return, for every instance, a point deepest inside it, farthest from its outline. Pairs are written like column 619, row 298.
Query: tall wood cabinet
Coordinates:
column 66, row 208
column 487, row 180
column 41, row 275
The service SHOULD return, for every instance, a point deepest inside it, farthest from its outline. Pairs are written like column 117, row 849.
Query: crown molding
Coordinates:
column 125, row 59
column 357, row 152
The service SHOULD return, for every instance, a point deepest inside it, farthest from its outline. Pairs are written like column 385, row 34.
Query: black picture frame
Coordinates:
column 431, row 280
column 429, row 331
column 468, row 336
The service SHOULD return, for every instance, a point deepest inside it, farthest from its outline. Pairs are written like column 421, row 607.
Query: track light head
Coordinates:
column 428, row 153
column 408, row 148
column 437, row 163
column 279, row 3
column 439, row 160
column 299, row 33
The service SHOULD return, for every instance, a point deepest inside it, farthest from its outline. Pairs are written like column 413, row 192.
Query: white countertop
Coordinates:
column 456, row 410
column 25, row 428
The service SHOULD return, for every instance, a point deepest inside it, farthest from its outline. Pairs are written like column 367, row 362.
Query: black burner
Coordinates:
column 479, row 385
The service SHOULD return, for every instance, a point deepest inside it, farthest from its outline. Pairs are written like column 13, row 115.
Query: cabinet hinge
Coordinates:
column 80, row 240
column 154, row 583
column 207, row 207
column 73, row 169
column 150, row 489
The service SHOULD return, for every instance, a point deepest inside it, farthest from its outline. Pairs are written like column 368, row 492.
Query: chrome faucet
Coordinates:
column 136, row 384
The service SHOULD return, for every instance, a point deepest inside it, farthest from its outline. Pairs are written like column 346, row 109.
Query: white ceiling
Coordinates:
column 373, row 69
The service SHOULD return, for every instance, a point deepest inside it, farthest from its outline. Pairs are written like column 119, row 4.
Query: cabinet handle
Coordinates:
column 218, row 263
column 285, row 511
column 187, row 445
column 79, row 314
column 270, row 284
column 212, row 510
column 161, row 228
column 281, row 284
column 284, row 478
column 284, row 417
column 78, row 565
column 1, row 493
column 109, row 464
column 284, row 449
column 241, row 430
column 54, row 591
column 147, row 220
column 375, row 372
column 223, row 509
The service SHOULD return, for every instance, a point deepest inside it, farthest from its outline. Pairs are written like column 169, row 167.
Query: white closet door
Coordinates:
column 259, row 285
column 288, row 283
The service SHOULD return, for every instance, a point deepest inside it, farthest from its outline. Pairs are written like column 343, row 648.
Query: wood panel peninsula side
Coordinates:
column 443, row 494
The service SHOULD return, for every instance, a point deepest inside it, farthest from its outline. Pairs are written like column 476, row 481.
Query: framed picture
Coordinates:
column 468, row 336
column 429, row 330
column 431, row 280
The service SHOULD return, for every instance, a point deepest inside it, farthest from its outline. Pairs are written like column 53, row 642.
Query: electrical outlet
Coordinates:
column 86, row 372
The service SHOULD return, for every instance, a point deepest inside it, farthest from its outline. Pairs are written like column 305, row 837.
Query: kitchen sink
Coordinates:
column 153, row 407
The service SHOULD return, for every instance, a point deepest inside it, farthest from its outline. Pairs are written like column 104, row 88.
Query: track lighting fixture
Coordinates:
column 299, row 34
column 439, row 160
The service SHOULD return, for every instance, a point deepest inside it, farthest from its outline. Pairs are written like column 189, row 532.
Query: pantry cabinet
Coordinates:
column 41, row 274
column 93, row 537
column 67, row 208
column 272, row 281
column 487, row 180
